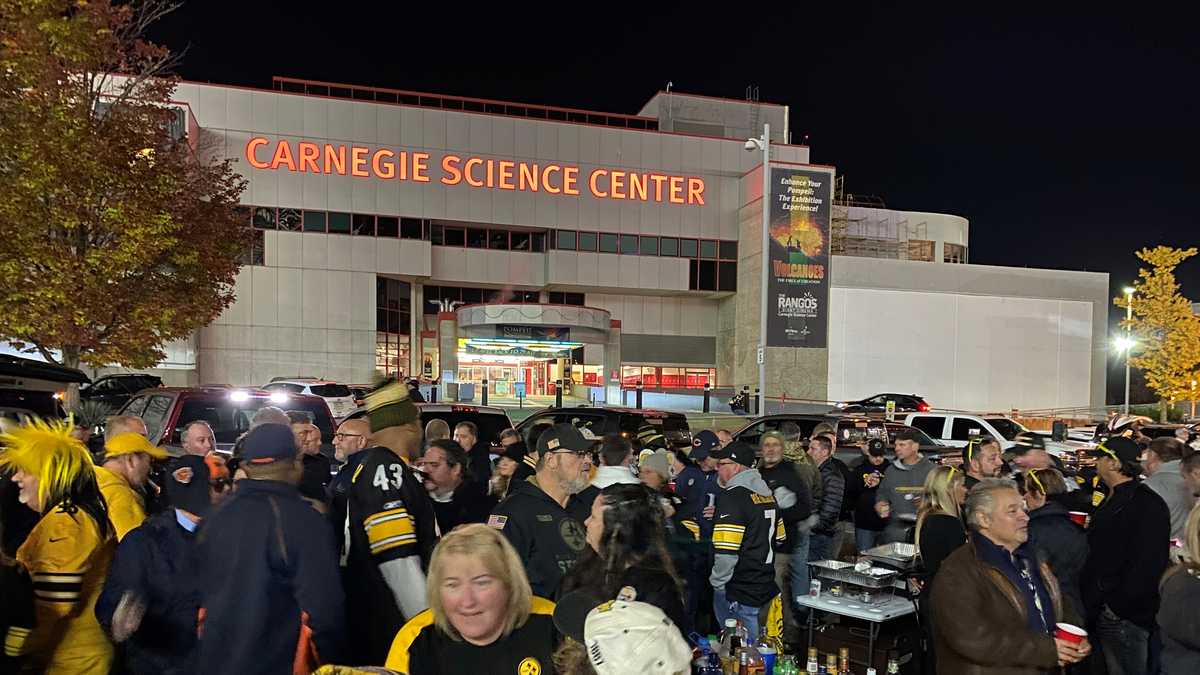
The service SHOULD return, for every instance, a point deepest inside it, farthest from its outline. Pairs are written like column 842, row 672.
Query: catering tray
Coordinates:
column 873, row 577
column 897, row 554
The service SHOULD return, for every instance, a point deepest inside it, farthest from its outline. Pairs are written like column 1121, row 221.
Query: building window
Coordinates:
column 648, row 245
column 411, row 228
column 954, row 253
column 688, row 248
column 436, row 235
column 655, row 377
column 339, row 223
column 726, row 276
column 629, row 244
column 289, row 220
column 498, row 240
column 728, row 250
column 388, row 226
column 520, row 241
column 314, row 221
column 669, row 246
column 256, row 253
column 560, row 298
column 264, row 218
column 920, row 249
column 608, row 243
column 708, row 249
column 364, row 225
column 456, row 236
column 476, row 238
column 565, row 240
column 538, row 242
column 587, row 241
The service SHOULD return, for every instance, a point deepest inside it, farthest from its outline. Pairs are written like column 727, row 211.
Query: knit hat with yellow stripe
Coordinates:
column 388, row 405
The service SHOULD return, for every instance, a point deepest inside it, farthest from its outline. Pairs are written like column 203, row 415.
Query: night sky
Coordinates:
column 1067, row 137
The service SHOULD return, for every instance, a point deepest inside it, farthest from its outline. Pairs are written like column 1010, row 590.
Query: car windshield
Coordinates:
column 490, row 424
column 923, row 439
column 230, row 419
column 330, row 390
column 1005, row 427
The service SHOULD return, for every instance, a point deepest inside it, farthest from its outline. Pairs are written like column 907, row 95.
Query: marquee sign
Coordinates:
column 475, row 172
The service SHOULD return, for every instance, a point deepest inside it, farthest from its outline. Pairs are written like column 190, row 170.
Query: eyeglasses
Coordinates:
column 342, row 434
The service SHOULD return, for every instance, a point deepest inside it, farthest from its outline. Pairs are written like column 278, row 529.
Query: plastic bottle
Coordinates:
column 729, row 663
column 812, row 666
column 707, row 662
column 727, row 632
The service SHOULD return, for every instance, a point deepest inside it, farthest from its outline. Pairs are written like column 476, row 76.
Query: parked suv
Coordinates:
column 849, row 430
column 878, row 404
column 339, row 397
column 30, row 388
column 166, row 411
column 116, row 390
column 490, row 420
column 626, row 421
column 955, row 429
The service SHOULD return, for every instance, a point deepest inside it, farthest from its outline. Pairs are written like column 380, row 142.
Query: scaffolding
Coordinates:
column 863, row 227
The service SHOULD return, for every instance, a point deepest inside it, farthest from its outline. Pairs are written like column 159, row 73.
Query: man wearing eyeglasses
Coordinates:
column 1127, row 541
column 348, row 444
column 535, row 517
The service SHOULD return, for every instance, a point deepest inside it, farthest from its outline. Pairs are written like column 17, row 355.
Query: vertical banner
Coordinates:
column 798, row 273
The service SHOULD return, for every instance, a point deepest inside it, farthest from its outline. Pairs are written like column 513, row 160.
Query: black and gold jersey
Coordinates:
column 748, row 524
column 388, row 516
column 421, row 648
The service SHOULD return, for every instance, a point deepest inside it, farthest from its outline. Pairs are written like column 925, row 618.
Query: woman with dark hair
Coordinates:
column 68, row 553
column 1058, row 541
column 627, row 552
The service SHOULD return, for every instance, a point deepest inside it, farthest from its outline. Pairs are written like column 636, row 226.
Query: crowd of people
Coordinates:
column 430, row 549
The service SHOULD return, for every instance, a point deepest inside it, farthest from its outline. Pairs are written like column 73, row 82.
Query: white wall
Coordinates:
column 609, row 270
column 650, row 315
column 961, row 351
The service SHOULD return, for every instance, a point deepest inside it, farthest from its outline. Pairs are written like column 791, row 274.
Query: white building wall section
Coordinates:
column 651, row 315
column 961, row 351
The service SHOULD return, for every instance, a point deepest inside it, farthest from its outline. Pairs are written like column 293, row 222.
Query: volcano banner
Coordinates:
column 798, row 273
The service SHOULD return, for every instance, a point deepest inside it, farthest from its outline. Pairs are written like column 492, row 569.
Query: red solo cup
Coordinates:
column 1078, row 517
column 1069, row 632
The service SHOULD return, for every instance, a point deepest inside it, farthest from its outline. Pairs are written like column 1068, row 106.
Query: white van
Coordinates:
column 955, row 429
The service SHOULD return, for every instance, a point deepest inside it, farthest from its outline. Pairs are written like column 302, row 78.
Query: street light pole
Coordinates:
column 1193, row 415
column 1128, row 340
column 766, row 255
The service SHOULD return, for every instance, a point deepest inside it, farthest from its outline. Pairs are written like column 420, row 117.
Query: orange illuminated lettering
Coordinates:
column 658, row 181
column 387, row 170
column 402, row 162
column 491, row 173
column 637, row 186
column 358, row 162
column 506, row 175
column 308, row 155
column 283, row 155
column 467, row 169
column 696, row 191
column 617, row 184
column 251, row 148
column 676, row 189
column 450, row 168
column 571, row 180
column 596, row 191
column 421, row 167
column 529, row 177
column 546, row 184
column 335, row 159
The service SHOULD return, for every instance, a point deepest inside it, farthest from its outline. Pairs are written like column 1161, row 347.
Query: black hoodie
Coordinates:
column 547, row 538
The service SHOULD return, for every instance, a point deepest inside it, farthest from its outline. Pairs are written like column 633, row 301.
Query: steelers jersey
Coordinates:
column 388, row 516
column 749, row 526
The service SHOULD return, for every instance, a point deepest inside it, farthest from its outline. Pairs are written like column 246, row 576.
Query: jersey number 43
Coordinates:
column 381, row 479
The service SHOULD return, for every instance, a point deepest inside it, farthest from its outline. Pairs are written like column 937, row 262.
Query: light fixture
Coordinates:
column 1124, row 344
column 277, row 397
column 239, row 396
column 1129, row 290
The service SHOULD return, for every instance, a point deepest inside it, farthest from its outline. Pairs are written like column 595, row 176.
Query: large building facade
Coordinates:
column 464, row 240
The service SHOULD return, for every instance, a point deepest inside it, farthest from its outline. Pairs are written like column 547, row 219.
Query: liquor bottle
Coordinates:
column 831, row 664
column 844, row 661
column 812, row 665
column 771, row 649
column 730, row 663
column 750, row 662
column 727, row 632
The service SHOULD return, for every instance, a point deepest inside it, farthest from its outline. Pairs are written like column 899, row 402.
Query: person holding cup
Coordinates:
column 995, row 607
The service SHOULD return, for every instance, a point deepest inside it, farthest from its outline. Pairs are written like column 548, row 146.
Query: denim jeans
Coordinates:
column 819, row 547
column 724, row 609
column 1123, row 644
column 865, row 539
column 791, row 576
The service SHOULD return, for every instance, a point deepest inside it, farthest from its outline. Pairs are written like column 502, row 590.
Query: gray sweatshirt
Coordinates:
column 903, row 503
column 1168, row 483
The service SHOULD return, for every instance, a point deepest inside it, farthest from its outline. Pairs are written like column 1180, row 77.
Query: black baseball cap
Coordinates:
column 268, row 443
column 1023, row 443
column 1119, row 448
column 563, row 436
column 738, row 451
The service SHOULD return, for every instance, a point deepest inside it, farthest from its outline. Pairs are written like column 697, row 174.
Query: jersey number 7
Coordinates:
column 769, row 514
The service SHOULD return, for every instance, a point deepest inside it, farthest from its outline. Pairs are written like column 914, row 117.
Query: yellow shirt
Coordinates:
column 125, row 508
column 68, row 562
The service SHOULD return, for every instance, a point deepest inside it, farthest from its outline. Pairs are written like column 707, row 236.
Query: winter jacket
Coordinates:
column 861, row 497
column 67, row 558
column 695, row 487
column 1169, row 485
column 1061, row 544
column 1128, row 542
column 157, row 562
column 746, row 534
column 792, row 495
column 981, row 619
column 1179, row 622
column 469, row 503
column 833, row 491
column 126, row 510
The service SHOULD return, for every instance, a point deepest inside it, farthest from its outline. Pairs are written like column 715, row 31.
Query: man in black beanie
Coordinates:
column 391, row 528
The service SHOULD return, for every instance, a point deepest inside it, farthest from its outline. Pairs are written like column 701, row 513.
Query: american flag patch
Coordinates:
column 497, row 521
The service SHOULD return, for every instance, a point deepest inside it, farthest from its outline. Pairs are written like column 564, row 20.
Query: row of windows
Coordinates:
column 645, row 244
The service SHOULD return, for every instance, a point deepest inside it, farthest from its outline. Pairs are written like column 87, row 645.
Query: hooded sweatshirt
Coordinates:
column 1168, row 483
column 900, row 487
column 748, row 526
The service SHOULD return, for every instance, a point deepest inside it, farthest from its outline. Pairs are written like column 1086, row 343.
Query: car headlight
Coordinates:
column 239, row 396
column 278, row 397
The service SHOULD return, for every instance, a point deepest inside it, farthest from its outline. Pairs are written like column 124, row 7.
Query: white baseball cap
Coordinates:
column 624, row 636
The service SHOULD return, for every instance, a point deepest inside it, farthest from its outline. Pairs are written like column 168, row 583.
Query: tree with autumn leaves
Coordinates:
column 1164, row 328
column 118, row 232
